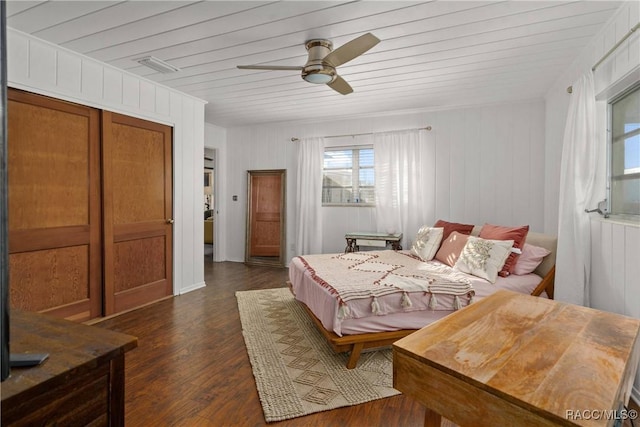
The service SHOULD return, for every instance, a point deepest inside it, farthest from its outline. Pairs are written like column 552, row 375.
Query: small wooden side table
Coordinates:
column 368, row 238
column 516, row 360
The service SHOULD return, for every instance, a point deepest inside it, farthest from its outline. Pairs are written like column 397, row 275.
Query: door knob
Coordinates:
column 170, row 221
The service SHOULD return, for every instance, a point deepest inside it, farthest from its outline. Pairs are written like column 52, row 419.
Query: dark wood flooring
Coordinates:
column 191, row 367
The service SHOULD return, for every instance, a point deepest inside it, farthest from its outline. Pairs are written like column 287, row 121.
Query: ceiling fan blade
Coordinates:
column 351, row 50
column 341, row 86
column 269, row 67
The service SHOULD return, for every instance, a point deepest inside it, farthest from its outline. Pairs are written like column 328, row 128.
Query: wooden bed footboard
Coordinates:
column 356, row 343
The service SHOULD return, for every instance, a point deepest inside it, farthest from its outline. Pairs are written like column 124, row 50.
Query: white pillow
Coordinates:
column 427, row 242
column 483, row 257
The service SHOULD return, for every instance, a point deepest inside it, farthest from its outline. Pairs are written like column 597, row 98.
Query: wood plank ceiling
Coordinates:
column 432, row 55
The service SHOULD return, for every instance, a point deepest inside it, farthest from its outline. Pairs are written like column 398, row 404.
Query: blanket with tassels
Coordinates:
column 373, row 274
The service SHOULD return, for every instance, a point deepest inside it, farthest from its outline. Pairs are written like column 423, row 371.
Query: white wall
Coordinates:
column 38, row 66
column 489, row 163
column 615, row 246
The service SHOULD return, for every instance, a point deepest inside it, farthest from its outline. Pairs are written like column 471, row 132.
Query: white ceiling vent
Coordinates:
column 158, row 64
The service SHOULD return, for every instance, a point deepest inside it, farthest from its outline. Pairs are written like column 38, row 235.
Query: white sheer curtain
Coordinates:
column 577, row 176
column 405, row 182
column 309, row 196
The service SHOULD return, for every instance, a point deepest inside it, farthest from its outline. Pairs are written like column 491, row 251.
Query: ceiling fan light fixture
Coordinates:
column 158, row 64
column 318, row 78
column 319, row 73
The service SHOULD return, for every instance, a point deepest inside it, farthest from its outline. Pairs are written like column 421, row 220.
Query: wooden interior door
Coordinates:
column 265, row 216
column 137, row 206
column 54, row 206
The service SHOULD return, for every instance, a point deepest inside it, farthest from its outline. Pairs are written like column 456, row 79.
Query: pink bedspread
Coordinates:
column 391, row 311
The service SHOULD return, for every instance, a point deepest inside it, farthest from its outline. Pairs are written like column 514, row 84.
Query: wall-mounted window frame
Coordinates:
column 348, row 176
column 623, row 155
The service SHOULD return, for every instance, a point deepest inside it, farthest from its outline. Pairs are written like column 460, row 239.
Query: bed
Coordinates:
column 409, row 293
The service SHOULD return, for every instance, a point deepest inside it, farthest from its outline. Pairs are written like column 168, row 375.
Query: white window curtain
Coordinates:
column 309, row 196
column 405, row 182
column 577, row 176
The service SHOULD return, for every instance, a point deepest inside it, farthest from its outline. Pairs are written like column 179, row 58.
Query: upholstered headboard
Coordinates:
column 546, row 269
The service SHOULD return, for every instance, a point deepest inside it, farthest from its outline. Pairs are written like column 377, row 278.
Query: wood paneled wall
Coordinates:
column 623, row 62
column 615, row 271
column 41, row 67
column 615, row 247
column 489, row 168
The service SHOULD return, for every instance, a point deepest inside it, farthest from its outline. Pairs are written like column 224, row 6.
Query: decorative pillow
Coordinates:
column 427, row 242
column 517, row 234
column 451, row 248
column 483, row 258
column 450, row 227
column 530, row 259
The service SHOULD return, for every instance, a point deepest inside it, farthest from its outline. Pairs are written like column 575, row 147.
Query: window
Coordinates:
column 348, row 176
column 624, row 169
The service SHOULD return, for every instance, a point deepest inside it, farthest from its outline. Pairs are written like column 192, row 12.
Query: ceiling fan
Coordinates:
column 323, row 61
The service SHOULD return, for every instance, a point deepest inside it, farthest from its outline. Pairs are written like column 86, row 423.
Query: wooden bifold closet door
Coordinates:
column 137, row 186
column 55, row 226
column 90, row 208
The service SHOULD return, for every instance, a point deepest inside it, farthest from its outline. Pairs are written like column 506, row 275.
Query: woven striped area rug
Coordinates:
column 296, row 371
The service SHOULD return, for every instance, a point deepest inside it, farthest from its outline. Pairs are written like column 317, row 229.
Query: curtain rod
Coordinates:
column 294, row 139
column 615, row 46
column 610, row 51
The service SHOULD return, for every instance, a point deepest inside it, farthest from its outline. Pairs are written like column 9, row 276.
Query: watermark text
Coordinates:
column 601, row 414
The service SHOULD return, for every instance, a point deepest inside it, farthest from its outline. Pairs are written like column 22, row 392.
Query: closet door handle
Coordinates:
column 170, row 221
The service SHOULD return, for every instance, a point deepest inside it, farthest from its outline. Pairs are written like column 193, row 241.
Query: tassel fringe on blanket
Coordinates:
column 343, row 312
column 375, row 307
column 457, row 304
column 433, row 302
column 406, row 301
column 376, row 274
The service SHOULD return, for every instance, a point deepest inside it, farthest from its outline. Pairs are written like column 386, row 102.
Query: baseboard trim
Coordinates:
column 192, row 287
column 100, row 319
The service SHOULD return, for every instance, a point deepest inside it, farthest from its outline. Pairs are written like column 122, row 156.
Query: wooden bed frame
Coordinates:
column 358, row 342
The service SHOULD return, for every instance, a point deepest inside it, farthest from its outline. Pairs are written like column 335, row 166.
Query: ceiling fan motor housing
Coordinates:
column 315, row 70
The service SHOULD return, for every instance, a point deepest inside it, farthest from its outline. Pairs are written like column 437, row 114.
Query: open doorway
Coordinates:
column 209, row 202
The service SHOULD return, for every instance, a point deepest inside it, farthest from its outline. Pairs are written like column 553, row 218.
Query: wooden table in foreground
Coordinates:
column 82, row 381
column 516, row 360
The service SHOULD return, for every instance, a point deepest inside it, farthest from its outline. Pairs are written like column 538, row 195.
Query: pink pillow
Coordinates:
column 450, row 227
column 451, row 248
column 497, row 232
column 530, row 259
